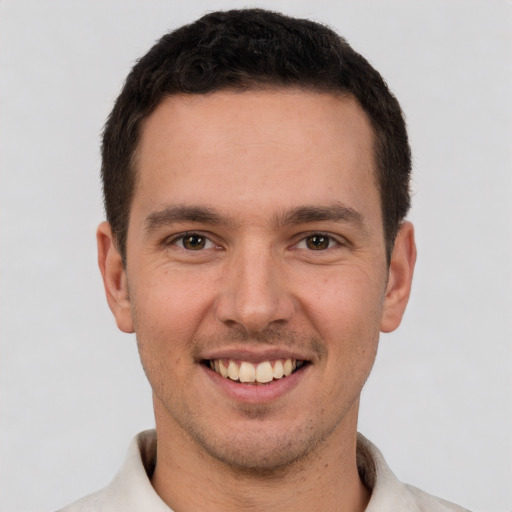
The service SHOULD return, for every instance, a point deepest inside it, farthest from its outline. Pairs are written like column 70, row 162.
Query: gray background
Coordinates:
column 438, row 403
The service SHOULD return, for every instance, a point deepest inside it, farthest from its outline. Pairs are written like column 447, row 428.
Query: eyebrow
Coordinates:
column 299, row 215
column 309, row 214
column 184, row 213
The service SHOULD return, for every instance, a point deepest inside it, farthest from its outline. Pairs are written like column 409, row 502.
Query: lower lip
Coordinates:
column 256, row 393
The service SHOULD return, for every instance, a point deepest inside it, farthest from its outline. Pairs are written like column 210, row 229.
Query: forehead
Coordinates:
column 256, row 149
column 283, row 113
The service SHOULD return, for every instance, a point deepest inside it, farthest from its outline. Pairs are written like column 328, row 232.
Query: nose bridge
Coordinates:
column 254, row 292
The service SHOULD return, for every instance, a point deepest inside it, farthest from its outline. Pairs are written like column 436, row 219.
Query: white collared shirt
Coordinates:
column 131, row 489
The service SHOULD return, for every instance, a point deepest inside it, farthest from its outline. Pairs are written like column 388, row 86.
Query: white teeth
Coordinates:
column 223, row 370
column 278, row 370
column 247, row 372
column 287, row 367
column 264, row 372
column 233, row 370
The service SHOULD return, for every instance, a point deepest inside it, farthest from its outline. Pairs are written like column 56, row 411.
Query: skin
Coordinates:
column 256, row 175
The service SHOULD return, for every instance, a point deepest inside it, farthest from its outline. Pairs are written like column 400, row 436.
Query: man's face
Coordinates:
column 255, row 244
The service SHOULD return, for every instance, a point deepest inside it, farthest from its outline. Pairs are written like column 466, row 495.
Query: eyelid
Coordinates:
column 174, row 239
column 337, row 239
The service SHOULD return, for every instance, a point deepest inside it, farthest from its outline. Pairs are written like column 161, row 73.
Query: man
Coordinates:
column 256, row 180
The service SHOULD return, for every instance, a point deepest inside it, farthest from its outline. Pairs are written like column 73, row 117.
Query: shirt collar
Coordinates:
column 131, row 489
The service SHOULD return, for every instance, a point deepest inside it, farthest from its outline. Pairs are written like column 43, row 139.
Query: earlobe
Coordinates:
column 114, row 278
column 401, row 269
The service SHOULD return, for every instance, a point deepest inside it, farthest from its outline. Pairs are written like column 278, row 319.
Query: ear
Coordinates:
column 401, row 269
column 114, row 278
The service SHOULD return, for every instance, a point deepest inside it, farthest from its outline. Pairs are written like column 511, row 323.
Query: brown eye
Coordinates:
column 194, row 242
column 317, row 242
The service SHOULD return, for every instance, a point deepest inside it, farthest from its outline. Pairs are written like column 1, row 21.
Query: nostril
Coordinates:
column 254, row 297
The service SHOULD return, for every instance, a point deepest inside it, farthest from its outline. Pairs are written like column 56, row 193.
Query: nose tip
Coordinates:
column 254, row 318
column 254, row 295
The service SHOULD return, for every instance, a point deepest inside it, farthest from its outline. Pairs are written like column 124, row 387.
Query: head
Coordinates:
column 263, row 167
column 244, row 50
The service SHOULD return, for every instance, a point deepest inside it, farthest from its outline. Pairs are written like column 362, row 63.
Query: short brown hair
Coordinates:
column 242, row 50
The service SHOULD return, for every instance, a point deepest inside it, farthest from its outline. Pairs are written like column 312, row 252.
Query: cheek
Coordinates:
column 168, row 311
column 347, row 317
column 170, row 304
column 344, row 304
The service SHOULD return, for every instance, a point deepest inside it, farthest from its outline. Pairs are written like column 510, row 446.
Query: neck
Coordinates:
column 187, row 479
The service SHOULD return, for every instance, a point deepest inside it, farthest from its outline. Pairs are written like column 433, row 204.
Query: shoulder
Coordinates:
column 427, row 503
column 89, row 503
column 131, row 488
column 388, row 493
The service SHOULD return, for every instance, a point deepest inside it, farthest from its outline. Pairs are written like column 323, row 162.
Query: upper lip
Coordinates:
column 254, row 355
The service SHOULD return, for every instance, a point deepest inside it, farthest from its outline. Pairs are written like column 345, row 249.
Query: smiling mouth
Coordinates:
column 248, row 373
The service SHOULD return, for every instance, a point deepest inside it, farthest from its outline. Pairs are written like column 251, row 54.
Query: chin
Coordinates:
column 263, row 450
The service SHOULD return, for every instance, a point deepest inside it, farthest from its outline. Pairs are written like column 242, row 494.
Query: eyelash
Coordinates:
column 331, row 241
column 184, row 236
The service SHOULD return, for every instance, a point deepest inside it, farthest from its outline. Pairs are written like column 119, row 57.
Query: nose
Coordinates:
column 254, row 293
